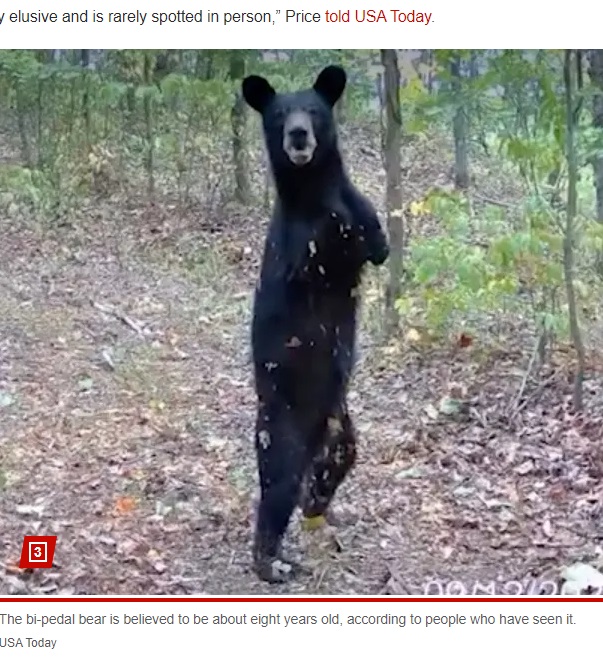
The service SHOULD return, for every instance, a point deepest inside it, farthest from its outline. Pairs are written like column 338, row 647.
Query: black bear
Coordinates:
column 322, row 233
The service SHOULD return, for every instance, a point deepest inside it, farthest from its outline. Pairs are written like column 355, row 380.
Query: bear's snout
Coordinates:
column 299, row 138
column 299, row 142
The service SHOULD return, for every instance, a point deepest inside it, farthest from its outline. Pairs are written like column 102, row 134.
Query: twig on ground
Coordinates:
column 541, row 386
column 515, row 404
column 482, row 421
column 107, row 360
column 321, row 575
column 393, row 583
column 492, row 201
column 109, row 310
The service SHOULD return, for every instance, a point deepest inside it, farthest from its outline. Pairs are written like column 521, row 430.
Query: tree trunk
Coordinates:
column 131, row 101
column 340, row 109
column 596, row 75
column 461, row 155
column 426, row 59
column 570, row 74
column 393, row 146
column 85, row 64
column 148, row 118
column 26, row 154
column 40, row 124
column 238, row 119
column 474, row 66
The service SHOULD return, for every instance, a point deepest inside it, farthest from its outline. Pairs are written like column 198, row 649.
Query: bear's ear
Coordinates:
column 257, row 92
column 330, row 84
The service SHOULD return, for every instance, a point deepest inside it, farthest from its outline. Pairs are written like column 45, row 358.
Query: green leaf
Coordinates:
column 85, row 384
column 6, row 399
column 449, row 406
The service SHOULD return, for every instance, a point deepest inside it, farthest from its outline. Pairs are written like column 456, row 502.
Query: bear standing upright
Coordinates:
column 322, row 233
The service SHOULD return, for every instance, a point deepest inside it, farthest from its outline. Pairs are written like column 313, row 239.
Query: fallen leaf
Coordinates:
column 432, row 411
column 525, row 468
column 495, row 504
column 413, row 335
column 547, row 529
column 456, row 390
column 107, row 359
column 409, row 473
column 447, row 551
column 6, row 400
column 85, row 384
column 125, row 505
column 14, row 568
column 449, row 406
column 581, row 577
column 30, row 510
column 418, row 208
column 129, row 547
column 162, row 509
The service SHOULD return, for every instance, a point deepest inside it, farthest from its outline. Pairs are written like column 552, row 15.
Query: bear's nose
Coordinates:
column 299, row 138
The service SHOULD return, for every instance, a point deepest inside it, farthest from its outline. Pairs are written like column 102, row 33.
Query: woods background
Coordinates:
column 134, row 197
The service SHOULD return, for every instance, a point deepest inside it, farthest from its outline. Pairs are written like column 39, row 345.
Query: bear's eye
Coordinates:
column 318, row 117
column 278, row 115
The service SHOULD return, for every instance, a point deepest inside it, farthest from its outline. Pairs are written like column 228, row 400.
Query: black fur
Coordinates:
column 322, row 233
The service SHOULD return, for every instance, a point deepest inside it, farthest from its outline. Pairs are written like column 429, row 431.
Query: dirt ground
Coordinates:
column 126, row 426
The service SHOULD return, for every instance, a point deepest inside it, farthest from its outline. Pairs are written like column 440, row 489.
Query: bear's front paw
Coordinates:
column 379, row 255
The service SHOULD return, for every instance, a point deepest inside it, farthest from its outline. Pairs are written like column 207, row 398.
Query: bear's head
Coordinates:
column 299, row 127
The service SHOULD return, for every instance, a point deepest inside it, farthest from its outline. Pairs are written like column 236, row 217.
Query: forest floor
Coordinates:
column 126, row 428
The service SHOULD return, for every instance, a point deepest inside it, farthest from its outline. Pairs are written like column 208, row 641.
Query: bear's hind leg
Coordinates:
column 331, row 464
column 282, row 456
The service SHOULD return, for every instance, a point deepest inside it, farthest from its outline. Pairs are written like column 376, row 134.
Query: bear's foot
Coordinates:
column 278, row 570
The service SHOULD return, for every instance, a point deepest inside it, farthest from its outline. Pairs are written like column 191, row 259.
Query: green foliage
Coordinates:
column 164, row 115
column 454, row 281
column 487, row 260
column 167, row 116
column 452, row 278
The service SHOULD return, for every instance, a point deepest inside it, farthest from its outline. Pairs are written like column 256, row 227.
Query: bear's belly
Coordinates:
column 304, row 355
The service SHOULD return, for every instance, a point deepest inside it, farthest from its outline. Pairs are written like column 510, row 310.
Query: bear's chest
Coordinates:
column 326, row 256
